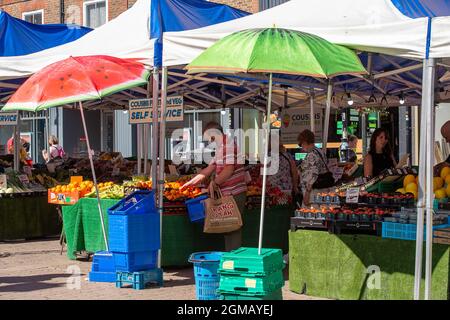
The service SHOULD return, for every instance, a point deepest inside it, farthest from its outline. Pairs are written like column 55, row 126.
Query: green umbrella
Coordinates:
column 274, row 50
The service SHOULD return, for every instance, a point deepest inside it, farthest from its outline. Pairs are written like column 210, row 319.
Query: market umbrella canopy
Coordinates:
column 274, row 50
column 77, row 79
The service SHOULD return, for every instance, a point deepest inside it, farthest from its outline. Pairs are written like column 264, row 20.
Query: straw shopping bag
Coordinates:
column 222, row 214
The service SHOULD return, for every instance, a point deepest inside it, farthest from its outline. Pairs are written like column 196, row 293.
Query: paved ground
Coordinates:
column 35, row 270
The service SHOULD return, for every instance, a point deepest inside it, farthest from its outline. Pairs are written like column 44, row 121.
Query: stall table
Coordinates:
column 337, row 266
column 28, row 217
column 180, row 237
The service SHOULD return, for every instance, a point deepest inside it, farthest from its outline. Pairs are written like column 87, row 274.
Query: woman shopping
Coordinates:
column 56, row 152
column 229, row 175
column 380, row 156
column 314, row 172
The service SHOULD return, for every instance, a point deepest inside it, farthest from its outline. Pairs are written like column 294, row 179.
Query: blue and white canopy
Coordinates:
column 18, row 37
column 399, row 28
column 136, row 33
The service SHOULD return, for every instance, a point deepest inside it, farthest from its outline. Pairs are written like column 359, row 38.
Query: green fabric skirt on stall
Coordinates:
column 180, row 237
column 360, row 267
column 28, row 217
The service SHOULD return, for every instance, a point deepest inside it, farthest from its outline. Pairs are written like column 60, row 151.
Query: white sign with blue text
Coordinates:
column 8, row 118
column 141, row 110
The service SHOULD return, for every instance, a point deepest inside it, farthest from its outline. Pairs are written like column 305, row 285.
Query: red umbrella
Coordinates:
column 78, row 79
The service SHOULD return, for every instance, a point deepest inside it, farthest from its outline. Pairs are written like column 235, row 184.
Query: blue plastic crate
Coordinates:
column 136, row 261
column 207, row 278
column 135, row 232
column 404, row 231
column 139, row 280
column 196, row 208
column 95, row 276
column 134, row 224
column 103, row 261
column 138, row 202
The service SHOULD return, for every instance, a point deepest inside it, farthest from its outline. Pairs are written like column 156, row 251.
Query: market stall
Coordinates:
column 180, row 236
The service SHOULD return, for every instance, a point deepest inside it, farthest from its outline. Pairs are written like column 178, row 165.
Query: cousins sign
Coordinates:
column 141, row 110
column 294, row 121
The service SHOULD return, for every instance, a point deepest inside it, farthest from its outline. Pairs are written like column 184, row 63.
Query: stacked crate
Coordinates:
column 134, row 239
column 246, row 275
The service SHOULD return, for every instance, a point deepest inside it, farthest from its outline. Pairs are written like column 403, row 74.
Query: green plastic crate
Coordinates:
column 275, row 295
column 252, row 285
column 247, row 262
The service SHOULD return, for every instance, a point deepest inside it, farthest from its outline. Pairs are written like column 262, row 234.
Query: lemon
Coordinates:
column 438, row 183
column 401, row 190
column 447, row 180
column 409, row 179
column 445, row 171
column 411, row 187
column 440, row 193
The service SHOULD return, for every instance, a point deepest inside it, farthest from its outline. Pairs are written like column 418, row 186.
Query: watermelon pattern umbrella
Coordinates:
column 275, row 50
column 74, row 80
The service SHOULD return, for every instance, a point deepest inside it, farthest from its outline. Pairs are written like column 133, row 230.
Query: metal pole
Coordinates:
column 155, row 106
column 139, row 148
column 266, row 155
column 327, row 117
column 162, row 140
column 94, row 177
column 429, row 96
column 311, row 100
column 16, row 142
column 364, row 133
column 422, row 185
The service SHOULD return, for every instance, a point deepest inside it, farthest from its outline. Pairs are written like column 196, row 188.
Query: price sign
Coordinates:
column 3, row 181
column 24, row 179
column 352, row 195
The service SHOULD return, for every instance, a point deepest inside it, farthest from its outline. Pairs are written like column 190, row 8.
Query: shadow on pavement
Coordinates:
column 30, row 283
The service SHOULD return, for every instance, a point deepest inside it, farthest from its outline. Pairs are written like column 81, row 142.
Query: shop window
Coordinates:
column 95, row 13
column 36, row 17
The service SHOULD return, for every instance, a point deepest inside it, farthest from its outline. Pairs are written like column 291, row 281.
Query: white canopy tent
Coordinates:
column 367, row 25
column 375, row 26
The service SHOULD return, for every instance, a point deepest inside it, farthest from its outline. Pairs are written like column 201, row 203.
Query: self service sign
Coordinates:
column 141, row 110
column 8, row 118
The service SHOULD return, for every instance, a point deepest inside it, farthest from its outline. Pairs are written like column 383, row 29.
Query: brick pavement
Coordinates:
column 35, row 270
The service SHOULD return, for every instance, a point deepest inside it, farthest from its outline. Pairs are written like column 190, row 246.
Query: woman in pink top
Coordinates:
column 229, row 174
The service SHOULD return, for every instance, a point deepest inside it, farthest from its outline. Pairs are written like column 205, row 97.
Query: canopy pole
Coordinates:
column 311, row 100
column 429, row 96
column 155, row 106
column 327, row 117
column 162, row 150
column 94, row 177
column 139, row 148
column 422, row 185
column 17, row 142
column 266, row 155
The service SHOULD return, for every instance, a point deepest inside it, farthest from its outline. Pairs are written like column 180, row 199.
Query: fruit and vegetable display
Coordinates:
column 172, row 192
column 344, row 213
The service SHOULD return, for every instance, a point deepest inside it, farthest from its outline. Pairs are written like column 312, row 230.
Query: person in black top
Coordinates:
column 380, row 156
column 445, row 131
